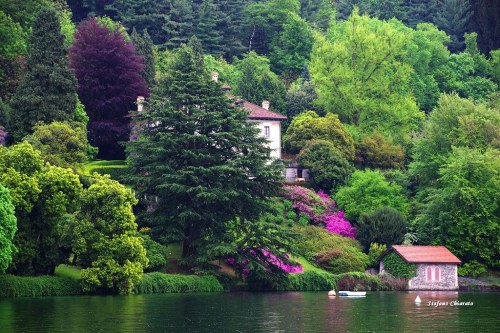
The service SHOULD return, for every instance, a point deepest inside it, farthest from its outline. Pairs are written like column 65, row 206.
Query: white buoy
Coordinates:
column 332, row 293
column 417, row 300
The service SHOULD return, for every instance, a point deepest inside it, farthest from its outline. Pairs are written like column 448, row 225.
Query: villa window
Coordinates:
column 433, row 274
column 267, row 131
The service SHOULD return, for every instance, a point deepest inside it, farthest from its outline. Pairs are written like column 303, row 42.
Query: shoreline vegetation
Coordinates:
column 64, row 284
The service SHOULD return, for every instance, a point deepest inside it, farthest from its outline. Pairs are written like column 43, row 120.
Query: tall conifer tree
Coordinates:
column 201, row 158
column 207, row 28
column 144, row 47
column 453, row 17
column 48, row 90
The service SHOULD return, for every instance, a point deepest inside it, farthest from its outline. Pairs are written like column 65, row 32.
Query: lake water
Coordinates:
column 254, row 312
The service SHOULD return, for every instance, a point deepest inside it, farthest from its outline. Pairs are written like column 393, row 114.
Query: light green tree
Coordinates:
column 42, row 195
column 60, row 143
column 309, row 126
column 359, row 74
column 366, row 192
column 8, row 228
column 105, row 241
column 456, row 122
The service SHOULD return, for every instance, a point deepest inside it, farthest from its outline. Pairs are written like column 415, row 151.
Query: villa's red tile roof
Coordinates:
column 425, row 254
column 258, row 112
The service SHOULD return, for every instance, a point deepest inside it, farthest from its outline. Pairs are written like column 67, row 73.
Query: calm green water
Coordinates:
column 252, row 312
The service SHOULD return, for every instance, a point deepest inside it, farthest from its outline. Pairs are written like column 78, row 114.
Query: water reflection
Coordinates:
column 252, row 312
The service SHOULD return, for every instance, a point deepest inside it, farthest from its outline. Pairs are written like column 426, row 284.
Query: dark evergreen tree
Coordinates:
column 453, row 17
column 420, row 11
column 486, row 22
column 144, row 47
column 203, row 161
column 206, row 29
column 150, row 15
column 344, row 7
column 317, row 13
column 180, row 24
column 47, row 92
column 109, row 81
column 385, row 226
column 231, row 24
column 387, row 9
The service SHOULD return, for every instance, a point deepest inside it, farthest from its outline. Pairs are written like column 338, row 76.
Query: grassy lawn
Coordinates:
column 307, row 266
column 68, row 271
column 102, row 166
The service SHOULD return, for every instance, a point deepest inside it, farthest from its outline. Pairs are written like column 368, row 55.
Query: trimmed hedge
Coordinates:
column 160, row 283
column 311, row 281
column 28, row 286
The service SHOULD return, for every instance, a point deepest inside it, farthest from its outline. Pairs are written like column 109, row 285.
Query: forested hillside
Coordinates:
column 392, row 105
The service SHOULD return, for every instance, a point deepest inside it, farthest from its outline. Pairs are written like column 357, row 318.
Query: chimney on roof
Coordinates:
column 215, row 76
column 140, row 103
column 265, row 104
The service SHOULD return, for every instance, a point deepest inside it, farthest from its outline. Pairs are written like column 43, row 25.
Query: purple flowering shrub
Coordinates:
column 319, row 209
column 242, row 265
column 3, row 136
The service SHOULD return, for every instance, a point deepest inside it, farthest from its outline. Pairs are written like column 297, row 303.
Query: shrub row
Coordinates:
column 28, row 286
column 369, row 282
column 159, row 283
column 311, row 281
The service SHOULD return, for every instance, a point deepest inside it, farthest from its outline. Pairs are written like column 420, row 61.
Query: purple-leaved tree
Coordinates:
column 109, row 81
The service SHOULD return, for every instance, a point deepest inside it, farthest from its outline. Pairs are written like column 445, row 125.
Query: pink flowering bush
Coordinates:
column 277, row 262
column 271, row 259
column 314, row 206
column 338, row 224
column 319, row 209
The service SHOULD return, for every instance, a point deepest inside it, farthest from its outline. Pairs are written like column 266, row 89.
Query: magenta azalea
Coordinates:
column 338, row 224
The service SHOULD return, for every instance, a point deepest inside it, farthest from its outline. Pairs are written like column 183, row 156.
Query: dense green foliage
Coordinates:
column 461, row 209
column 375, row 151
column 42, row 195
column 8, row 228
column 60, row 143
column 308, row 281
column 47, row 91
column 327, row 165
column 385, row 226
column 256, row 82
column 156, row 253
column 397, row 267
column 358, row 72
column 367, row 191
column 332, row 252
column 104, row 238
column 27, row 286
column 159, row 283
column 309, row 126
column 144, row 47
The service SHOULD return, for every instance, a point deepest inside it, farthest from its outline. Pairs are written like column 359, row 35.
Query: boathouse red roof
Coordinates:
column 424, row 254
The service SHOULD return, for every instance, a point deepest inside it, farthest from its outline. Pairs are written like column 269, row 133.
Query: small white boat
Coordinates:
column 352, row 293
